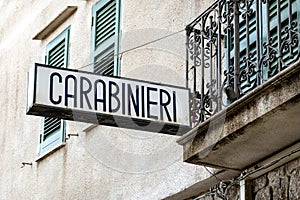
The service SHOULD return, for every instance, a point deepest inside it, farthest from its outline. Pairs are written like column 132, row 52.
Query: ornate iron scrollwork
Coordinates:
column 221, row 190
column 234, row 46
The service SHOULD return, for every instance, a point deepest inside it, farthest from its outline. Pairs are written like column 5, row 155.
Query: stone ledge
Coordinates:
column 56, row 22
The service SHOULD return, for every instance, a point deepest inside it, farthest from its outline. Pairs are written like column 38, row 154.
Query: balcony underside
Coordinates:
column 258, row 125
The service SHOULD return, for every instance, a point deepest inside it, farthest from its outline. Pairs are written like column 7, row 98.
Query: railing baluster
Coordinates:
column 258, row 42
column 219, row 58
column 228, row 35
column 195, row 62
column 211, row 59
column 279, row 59
column 236, row 48
column 202, row 69
column 290, row 27
column 268, row 43
column 247, row 64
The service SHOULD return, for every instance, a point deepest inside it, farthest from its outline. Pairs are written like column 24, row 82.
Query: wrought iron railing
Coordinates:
column 236, row 45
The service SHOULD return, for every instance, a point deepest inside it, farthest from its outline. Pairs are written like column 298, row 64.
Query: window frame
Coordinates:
column 58, row 137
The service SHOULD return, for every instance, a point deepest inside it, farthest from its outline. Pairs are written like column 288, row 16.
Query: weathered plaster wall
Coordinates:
column 163, row 60
column 102, row 163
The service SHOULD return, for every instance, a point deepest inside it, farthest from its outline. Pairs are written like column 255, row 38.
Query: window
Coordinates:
column 105, row 37
column 53, row 129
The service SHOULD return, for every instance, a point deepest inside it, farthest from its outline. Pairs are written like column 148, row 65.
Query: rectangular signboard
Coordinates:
column 120, row 102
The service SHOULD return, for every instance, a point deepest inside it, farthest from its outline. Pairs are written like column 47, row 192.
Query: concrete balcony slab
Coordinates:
column 260, row 124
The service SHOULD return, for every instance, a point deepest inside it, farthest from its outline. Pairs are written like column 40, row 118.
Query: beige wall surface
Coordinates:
column 102, row 162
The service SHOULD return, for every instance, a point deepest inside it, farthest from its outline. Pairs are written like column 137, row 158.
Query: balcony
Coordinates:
column 243, row 67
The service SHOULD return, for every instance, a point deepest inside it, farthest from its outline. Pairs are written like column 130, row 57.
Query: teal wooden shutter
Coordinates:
column 105, row 37
column 248, row 49
column 53, row 129
column 287, row 56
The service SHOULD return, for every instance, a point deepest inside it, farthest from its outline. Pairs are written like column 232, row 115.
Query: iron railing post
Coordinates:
column 258, row 43
column 279, row 54
column 219, row 59
column 236, row 48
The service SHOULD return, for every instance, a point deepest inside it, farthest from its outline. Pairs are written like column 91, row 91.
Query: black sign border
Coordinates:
column 103, row 118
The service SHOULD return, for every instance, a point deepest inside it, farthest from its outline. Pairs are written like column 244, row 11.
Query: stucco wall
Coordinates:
column 102, row 162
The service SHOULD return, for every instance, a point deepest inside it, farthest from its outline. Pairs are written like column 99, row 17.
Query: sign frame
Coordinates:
column 107, row 119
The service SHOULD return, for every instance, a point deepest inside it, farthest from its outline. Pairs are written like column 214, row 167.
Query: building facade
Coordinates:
column 244, row 61
column 50, row 158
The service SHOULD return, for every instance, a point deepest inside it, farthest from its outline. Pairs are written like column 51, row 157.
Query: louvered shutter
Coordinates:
column 53, row 132
column 287, row 57
column 246, row 48
column 248, row 84
column 105, row 37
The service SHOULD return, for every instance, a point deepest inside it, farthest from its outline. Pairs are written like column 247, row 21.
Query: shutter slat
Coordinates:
column 103, row 36
column 50, row 121
column 54, row 124
column 51, row 125
column 252, row 28
column 109, row 71
column 105, row 23
column 58, row 50
column 106, row 20
column 106, row 35
column 110, row 22
column 104, row 11
column 53, row 58
column 105, row 70
column 58, row 61
column 106, row 62
column 102, row 68
column 101, row 33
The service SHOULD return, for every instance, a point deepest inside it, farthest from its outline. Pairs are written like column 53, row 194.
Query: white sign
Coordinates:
column 83, row 96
